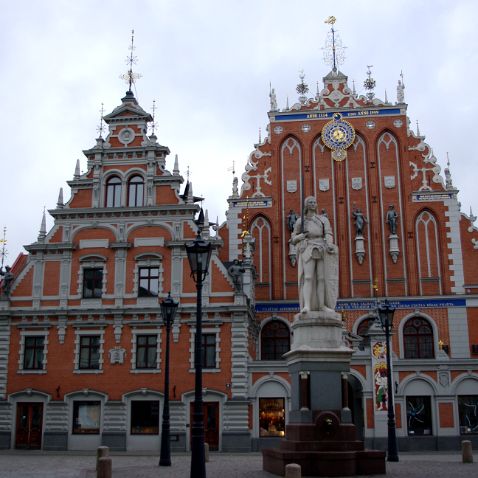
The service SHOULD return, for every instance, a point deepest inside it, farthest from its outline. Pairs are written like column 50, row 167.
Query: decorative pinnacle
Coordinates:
column 334, row 51
column 131, row 60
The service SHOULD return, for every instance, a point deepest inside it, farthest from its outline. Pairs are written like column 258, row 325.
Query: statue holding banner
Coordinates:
column 317, row 259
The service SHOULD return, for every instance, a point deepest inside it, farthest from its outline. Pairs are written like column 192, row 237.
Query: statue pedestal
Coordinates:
column 394, row 250
column 320, row 435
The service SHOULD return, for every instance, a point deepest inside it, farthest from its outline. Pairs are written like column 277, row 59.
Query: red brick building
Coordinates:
column 81, row 356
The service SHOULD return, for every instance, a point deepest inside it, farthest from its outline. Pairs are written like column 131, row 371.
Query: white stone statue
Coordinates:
column 317, row 259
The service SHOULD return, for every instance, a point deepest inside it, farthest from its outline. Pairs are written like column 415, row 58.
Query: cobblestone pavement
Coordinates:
column 28, row 464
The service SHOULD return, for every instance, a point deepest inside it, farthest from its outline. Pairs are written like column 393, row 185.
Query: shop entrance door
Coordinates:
column 211, row 423
column 29, row 425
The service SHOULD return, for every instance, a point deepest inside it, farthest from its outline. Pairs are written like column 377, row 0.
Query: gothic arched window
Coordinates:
column 135, row 191
column 113, row 192
column 275, row 340
column 418, row 339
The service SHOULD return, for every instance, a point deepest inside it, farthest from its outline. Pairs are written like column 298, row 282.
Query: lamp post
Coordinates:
column 386, row 311
column 168, row 311
column 199, row 254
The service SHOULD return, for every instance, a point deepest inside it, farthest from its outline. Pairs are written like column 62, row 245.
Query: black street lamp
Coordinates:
column 168, row 311
column 199, row 254
column 385, row 312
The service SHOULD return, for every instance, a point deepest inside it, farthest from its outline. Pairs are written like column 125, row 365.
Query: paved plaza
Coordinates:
column 29, row 464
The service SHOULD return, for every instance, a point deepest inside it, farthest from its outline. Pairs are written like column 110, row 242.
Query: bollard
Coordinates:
column 101, row 451
column 466, row 451
column 104, row 467
column 293, row 470
column 206, row 452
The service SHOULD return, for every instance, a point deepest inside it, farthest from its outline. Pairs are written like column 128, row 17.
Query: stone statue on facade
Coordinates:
column 291, row 220
column 360, row 221
column 317, row 260
column 236, row 271
column 8, row 278
column 273, row 98
column 391, row 219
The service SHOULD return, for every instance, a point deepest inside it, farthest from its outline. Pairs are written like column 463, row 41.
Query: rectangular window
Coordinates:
column 92, row 282
column 33, row 353
column 209, row 350
column 468, row 412
column 89, row 352
column 86, row 417
column 419, row 416
column 148, row 282
column 144, row 417
column 271, row 417
column 146, row 351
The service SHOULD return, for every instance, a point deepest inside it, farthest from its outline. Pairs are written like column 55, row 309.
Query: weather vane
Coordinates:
column 334, row 51
column 130, row 77
column 369, row 83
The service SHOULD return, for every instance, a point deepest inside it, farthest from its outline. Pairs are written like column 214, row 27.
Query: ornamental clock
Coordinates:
column 338, row 135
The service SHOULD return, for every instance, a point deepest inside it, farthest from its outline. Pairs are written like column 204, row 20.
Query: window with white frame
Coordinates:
column 33, row 351
column 92, row 277
column 146, row 349
column 210, row 349
column 135, row 191
column 89, row 350
column 113, row 192
column 148, row 278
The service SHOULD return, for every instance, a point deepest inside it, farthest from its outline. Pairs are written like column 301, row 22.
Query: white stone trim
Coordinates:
column 91, row 243
column 454, row 245
column 98, row 263
column 151, row 261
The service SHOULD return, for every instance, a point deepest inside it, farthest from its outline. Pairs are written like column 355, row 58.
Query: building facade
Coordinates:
column 82, row 354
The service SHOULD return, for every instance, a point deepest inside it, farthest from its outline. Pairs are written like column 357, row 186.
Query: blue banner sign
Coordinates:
column 328, row 114
column 367, row 305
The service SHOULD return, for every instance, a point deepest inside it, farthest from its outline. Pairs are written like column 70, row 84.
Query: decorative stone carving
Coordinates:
column 389, row 182
column 117, row 355
column 359, row 249
column 394, row 250
column 324, row 184
column 357, row 184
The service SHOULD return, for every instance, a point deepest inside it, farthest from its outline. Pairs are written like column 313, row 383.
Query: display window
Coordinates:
column 145, row 417
column 468, row 413
column 419, row 415
column 271, row 417
column 86, row 417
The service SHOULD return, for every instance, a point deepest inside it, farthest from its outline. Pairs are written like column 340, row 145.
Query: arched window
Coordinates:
column 275, row 340
column 418, row 339
column 135, row 191
column 113, row 192
column 362, row 330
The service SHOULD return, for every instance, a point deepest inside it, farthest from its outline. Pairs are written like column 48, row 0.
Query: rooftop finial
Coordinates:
column 354, row 92
column 176, row 166
column 448, row 179
column 77, row 170
column 369, row 84
column 4, row 251
column 60, row 203
column 418, row 129
column 260, row 136
column 272, row 97
column 100, row 127
column 188, row 173
column 131, row 60
column 334, row 52
column 302, row 88
column 400, row 89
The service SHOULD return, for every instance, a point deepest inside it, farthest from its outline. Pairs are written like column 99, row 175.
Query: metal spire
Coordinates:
column 260, row 136
column 130, row 77
column 334, row 51
column 302, row 88
column 100, row 127
column 4, row 251
column 153, row 124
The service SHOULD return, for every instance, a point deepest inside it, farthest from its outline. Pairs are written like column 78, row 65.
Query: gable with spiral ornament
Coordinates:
column 256, row 174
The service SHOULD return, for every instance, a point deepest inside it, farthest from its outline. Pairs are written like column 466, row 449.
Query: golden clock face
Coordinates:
column 338, row 135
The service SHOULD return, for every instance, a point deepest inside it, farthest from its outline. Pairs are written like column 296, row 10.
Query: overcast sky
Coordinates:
column 208, row 64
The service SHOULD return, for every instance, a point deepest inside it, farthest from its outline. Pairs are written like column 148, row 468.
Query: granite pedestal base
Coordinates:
column 320, row 436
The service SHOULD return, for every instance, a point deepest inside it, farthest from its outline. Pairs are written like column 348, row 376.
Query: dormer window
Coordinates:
column 113, row 192
column 135, row 191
